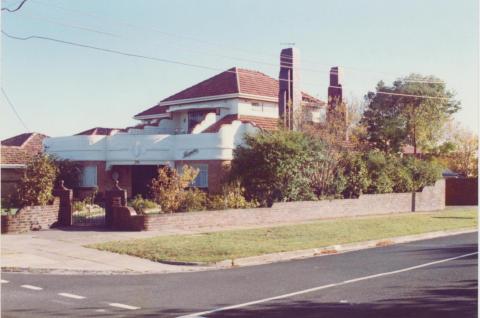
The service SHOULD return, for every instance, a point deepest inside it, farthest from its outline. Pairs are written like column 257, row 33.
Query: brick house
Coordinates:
column 199, row 126
column 15, row 153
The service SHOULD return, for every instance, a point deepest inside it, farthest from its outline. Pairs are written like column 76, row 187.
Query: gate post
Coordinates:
column 114, row 198
column 66, row 209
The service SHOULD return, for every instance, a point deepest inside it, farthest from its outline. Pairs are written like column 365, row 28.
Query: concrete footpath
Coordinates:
column 62, row 252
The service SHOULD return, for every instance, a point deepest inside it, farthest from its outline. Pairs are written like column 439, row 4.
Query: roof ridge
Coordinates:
column 28, row 139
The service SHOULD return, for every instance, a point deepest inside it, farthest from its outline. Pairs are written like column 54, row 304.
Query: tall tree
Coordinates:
column 412, row 111
column 459, row 152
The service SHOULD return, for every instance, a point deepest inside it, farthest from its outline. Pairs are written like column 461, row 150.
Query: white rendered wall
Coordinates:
column 262, row 109
column 209, row 120
column 132, row 149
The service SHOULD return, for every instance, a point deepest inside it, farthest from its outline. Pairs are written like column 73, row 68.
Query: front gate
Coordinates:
column 93, row 215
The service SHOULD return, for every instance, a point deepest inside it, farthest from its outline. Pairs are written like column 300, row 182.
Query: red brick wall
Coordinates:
column 462, row 191
column 28, row 217
column 430, row 199
column 217, row 171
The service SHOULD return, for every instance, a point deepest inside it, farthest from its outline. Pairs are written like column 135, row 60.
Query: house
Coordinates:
column 199, row 126
column 15, row 153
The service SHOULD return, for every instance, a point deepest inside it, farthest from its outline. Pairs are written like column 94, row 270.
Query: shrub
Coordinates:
column 356, row 175
column 169, row 187
column 423, row 173
column 79, row 206
column 36, row 185
column 193, row 200
column 380, row 168
column 139, row 204
column 277, row 166
column 232, row 197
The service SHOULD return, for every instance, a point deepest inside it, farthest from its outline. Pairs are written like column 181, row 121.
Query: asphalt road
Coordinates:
column 430, row 278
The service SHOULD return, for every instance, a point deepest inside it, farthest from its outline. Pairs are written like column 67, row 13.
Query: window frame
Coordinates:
column 84, row 177
column 205, row 170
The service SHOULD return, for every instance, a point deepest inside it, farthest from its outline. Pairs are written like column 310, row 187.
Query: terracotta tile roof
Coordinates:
column 17, row 140
column 263, row 123
column 21, row 148
column 309, row 100
column 232, row 81
column 155, row 110
column 102, row 131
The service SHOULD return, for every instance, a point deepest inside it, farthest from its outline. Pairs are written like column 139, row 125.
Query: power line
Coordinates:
column 152, row 58
column 17, row 8
column 14, row 110
column 119, row 21
column 79, row 27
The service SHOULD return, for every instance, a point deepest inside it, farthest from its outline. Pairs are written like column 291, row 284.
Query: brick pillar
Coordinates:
column 115, row 197
column 66, row 208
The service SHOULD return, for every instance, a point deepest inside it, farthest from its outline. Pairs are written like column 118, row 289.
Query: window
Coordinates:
column 89, row 176
column 257, row 107
column 201, row 181
column 194, row 118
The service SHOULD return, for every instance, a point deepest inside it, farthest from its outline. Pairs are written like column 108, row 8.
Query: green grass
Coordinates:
column 217, row 246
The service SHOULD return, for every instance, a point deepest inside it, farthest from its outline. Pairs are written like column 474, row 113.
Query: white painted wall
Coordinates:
column 209, row 120
column 262, row 109
column 150, row 149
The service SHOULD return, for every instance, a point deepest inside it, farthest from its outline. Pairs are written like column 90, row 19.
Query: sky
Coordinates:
column 60, row 90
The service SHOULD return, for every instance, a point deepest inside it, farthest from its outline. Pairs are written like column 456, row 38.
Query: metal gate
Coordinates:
column 90, row 216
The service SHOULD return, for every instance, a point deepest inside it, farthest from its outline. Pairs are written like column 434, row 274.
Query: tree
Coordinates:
column 459, row 152
column 277, row 165
column 68, row 171
column 36, row 185
column 412, row 111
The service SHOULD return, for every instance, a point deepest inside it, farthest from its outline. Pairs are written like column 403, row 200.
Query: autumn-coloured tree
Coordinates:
column 170, row 191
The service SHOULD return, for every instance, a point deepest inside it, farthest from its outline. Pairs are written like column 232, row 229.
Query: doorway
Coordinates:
column 142, row 178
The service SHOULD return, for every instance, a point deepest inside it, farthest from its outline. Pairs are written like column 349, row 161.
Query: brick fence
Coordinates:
column 430, row 199
column 32, row 218
column 461, row 191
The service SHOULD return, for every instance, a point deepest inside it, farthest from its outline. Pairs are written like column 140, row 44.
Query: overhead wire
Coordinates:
column 9, row 102
column 16, row 9
column 152, row 58
column 222, row 45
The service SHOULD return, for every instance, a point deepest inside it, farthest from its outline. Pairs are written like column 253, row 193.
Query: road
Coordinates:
column 430, row 278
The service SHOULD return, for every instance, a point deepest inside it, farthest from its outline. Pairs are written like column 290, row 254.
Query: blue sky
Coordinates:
column 61, row 90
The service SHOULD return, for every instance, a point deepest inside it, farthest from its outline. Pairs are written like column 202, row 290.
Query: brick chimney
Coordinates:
column 289, row 94
column 336, row 112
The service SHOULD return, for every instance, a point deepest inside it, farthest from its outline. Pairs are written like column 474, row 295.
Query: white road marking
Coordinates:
column 71, row 296
column 4, row 281
column 123, row 306
column 32, row 287
column 314, row 289
column 100, row 310
column 343, row 301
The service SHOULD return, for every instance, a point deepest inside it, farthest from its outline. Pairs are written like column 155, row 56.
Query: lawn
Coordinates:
column 218, row 246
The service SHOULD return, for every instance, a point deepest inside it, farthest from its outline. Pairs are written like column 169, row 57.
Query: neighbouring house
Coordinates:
column 199, row 126
column 15, row 153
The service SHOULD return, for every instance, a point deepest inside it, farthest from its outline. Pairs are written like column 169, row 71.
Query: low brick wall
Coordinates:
column 461, row 191
column 430, row 199
column 31, row 218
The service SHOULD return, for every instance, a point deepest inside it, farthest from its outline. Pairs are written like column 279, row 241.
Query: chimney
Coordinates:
column 336, row 112
column 335, row 88
column 289, row 93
